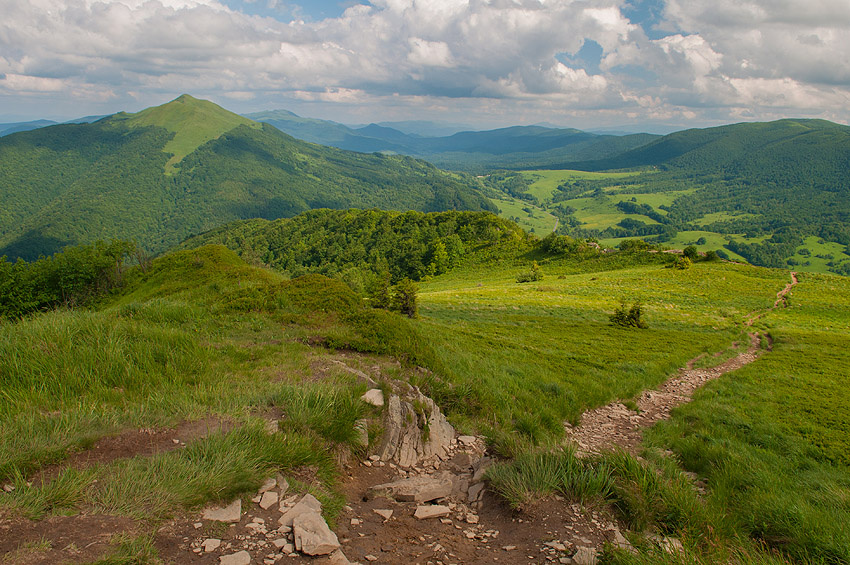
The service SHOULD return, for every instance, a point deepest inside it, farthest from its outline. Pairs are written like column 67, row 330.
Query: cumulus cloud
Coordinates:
column 484, row 56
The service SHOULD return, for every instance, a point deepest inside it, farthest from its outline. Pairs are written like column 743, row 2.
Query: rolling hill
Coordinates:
column 165, row 173
column 479, row 151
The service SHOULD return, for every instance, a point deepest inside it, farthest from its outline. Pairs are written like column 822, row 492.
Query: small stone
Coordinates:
column 384, row 513
column 370, row 558
column 175, row 441
column 308, row 503
column 211, row 544
column 240, row 558
column 198, row 525
column 312, row 535
column 467, row 440
column 471, row 519
column 337, row 558
column 8, row 488
column 431, row 511
column 509, row 547
column 280, row 543
column 269, row 499
column 446, row 520
column 374, row 458
column 267, row 486
column 475, row 492
column 282, row 484
column 356, row 521
column 229, row 514
column 416, row 489
column 374, row 396
column 585, row 556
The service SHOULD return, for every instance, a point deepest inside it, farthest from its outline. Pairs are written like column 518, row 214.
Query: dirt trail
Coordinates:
column 615, row 425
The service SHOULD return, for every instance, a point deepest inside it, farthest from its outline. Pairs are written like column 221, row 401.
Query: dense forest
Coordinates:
column 361, row 246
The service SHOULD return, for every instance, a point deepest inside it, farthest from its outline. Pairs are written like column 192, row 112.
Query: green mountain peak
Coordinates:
column 193, row 122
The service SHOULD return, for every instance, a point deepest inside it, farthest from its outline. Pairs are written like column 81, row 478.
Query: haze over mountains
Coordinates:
column 510, row 147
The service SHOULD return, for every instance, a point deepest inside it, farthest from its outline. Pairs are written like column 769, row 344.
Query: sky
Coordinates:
column 634, row 64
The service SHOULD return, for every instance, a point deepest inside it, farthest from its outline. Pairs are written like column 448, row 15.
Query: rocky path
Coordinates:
column 615, row 425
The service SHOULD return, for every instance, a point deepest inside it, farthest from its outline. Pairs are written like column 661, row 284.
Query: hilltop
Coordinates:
column 165, row 173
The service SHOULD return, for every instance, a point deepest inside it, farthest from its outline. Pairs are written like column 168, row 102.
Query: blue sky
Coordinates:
column 650, row 64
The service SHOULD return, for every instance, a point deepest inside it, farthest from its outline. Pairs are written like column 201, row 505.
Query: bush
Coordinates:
column 682, row 263
column 404, row 298
column 536, row 274
column 691, row 253
column 633, row 245
column 73, row 277
column 629, row 317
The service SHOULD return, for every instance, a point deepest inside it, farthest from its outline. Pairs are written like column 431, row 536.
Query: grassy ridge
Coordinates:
column 199, row 335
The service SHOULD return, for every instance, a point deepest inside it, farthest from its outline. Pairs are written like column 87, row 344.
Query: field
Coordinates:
column 203, row 337
column 540, row 353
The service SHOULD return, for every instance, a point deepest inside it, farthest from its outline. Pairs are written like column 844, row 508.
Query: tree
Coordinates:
column 691, row 253
column 404, row 298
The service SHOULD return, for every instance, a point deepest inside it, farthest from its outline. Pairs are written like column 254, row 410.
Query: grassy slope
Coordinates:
column 200, row 335
column 537, row 354
column 193, row 123
column 772, row 439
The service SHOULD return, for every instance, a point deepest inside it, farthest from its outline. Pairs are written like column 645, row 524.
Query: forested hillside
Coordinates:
column 169, row 172
column 361, row 246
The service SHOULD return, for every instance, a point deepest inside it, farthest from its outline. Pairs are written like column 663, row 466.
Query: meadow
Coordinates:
column 199, row 335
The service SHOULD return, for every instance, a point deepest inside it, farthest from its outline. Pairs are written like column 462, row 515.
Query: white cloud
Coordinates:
column 479, row 55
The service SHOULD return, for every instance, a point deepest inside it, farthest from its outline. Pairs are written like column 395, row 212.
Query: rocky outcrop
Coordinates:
column 414, row 429
column 312, row 535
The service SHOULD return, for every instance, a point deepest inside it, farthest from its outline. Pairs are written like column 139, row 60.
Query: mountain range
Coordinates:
column 175, row 170
column 504, row 148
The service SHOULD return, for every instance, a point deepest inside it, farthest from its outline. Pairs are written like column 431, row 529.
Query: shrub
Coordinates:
column 404, row 298
column 629, row 317
column 536, row 274
column 691, row 253
column 683, row 263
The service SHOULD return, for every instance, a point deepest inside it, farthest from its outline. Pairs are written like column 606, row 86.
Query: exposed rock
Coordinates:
column 467, row 440
column 269, row 499
column 336, row 558
column 211, row 544
column 267, row 486
column 228, row 514
column 280, row 543
column 476, row 491
column 241, row 558
column 405, row 441
column 374, row 396
column 431, row 511
column 416, row 489
column 585, row 556
column 307, row 504
column 386, row 514
column 283, row 484
column 312, row 535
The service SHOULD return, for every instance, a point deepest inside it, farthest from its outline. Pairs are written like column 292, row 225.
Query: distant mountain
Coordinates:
column 187, row 166
column 511, row 147
column 15, row 127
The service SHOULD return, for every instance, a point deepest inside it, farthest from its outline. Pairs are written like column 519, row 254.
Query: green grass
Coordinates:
column 772, row 439
column 544, row 183
column 537, row 221
column 529, row 356
column 199, row 335
column 193, row 122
